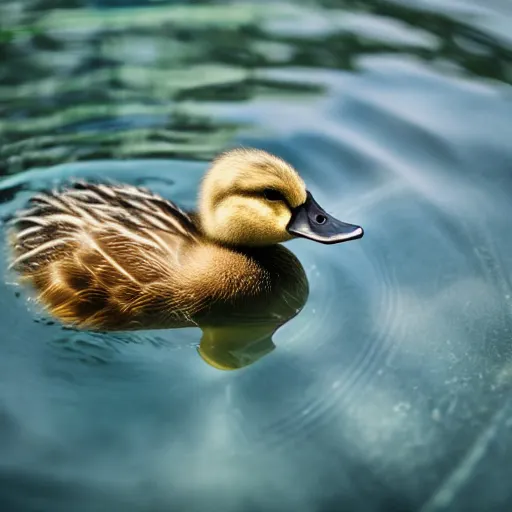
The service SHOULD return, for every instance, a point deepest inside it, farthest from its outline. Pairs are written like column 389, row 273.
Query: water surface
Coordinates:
column 391, row 389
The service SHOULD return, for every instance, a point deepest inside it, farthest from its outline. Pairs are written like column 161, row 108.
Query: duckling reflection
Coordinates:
column 118, row 257
column 243, row 336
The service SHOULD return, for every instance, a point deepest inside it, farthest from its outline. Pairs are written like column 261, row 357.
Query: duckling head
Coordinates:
column 252, row 198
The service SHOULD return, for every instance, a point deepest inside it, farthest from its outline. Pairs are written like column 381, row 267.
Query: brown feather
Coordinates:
column 117, row 258
column 113, row 257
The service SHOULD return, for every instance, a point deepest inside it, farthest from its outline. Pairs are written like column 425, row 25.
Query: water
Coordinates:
column 391, row 389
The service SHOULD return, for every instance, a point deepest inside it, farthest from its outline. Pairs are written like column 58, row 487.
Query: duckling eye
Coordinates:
column 273, row 195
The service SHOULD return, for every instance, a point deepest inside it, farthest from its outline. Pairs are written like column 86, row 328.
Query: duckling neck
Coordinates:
column 229, row 242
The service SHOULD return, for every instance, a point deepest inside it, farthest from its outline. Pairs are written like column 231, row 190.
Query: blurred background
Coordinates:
column 391, row 390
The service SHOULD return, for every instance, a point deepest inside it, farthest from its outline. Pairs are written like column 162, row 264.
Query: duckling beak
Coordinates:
column 310, row 220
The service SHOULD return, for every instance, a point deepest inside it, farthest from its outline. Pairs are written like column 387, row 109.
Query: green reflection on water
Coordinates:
column 79, row 83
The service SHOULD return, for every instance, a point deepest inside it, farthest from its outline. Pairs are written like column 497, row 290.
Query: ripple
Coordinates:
column 398, row 117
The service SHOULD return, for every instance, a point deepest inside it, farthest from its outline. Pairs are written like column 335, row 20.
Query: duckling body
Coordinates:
column 117, row 257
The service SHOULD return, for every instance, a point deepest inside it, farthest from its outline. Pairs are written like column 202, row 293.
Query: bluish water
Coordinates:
column 391, row 389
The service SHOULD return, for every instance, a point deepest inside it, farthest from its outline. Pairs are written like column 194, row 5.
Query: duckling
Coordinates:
column 118, row 257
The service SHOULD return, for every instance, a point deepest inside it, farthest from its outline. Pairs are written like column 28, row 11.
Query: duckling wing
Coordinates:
column 132, row 206
column 99, row 255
